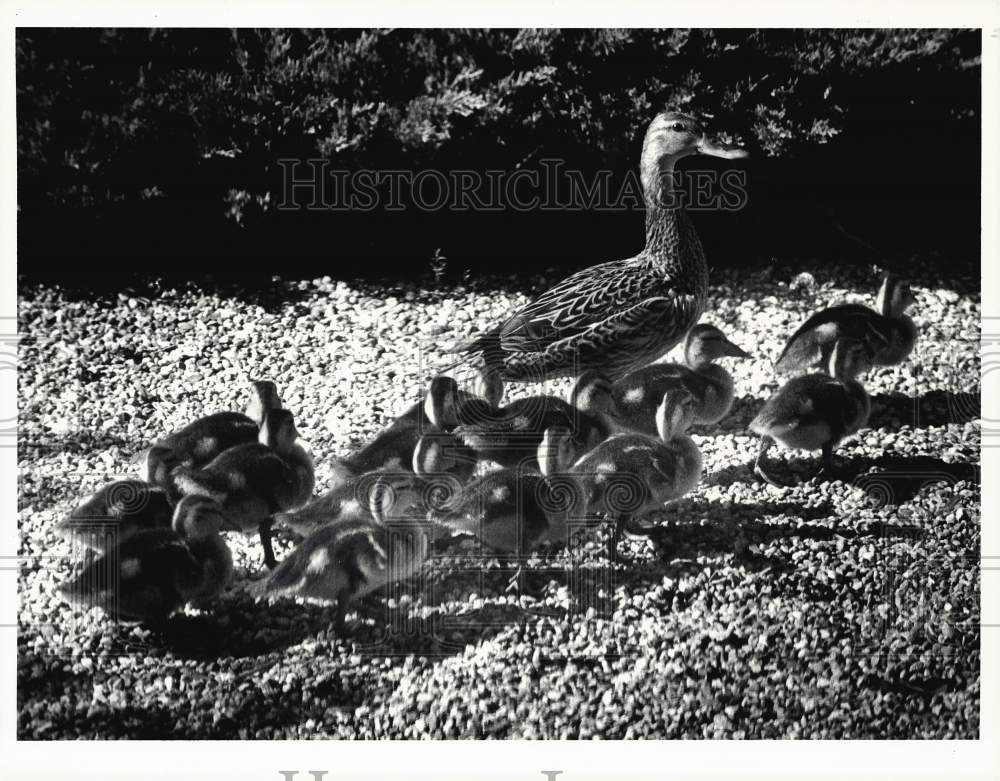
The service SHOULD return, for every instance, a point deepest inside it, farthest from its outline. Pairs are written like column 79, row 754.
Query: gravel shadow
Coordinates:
column 934, row 408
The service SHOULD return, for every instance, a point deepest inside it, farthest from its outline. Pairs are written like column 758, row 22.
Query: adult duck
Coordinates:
column 887, row 330
column 618, row 316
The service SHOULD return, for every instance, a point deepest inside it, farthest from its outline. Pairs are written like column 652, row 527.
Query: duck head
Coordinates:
column 673, row 135
column 676, row 412
column 706, row 343
column 894, row 296
column 263, row 398
column 278, row 430
column 199, row 517
column 850, row 358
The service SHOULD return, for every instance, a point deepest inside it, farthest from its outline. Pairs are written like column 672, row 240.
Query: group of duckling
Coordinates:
column 458, row 462
column 515, row 475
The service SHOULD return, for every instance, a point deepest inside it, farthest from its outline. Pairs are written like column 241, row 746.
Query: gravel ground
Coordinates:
column 834, row 610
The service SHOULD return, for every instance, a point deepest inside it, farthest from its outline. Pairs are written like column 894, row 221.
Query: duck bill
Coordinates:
column 734, row 350
column 716, row 148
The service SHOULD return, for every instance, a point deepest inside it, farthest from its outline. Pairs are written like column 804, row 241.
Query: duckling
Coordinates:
column 254, row 481
column 511, row 435
column 513, row 510
column 636, row 396
column 352, row 557
column 889, row 332
column 117, row 511
column 202, row 440
column 816, row 411
column 630, row 474
column 435, row 453
column 440, row 408
column 154, row 573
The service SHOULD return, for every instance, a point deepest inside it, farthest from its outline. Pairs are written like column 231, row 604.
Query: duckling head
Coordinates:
column 199, row 517
column 706, row 343
column 592, row 393
column 676, row 412
column 263, row 398
column 556, row 450
column 441, row 404
column 850, row 357
column 489, row 385
column 894, row 296
column 278, row 430
column 392, row 495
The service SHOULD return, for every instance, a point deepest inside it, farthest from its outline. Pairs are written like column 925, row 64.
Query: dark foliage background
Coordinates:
column 157, row 150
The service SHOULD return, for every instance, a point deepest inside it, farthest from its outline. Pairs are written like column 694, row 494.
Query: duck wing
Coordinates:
column 579, row 303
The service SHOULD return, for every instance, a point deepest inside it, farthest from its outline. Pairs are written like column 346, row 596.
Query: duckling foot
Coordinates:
column 514, row 584
column 767, row 478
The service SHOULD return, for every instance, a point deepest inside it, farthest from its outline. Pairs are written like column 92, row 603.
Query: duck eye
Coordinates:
column 678, row 126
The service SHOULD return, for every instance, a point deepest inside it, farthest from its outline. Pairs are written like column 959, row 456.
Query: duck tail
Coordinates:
column 483, row 353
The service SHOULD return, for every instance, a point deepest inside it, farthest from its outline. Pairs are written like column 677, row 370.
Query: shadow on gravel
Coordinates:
column 934, row 408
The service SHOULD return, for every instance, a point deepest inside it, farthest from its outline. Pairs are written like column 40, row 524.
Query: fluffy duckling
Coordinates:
column 511, row 435
column 117, row 511
column 436, row 453
column 348, row 559
column 816, row 411
column 888, row 332
column 254, row 481
column 630, row 474
column 202, row 440
column 153, row 573
column 513, row 510
column 442, row 406
column 637, row 395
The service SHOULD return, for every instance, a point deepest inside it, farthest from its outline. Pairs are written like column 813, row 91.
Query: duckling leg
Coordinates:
column 828, row 471
column 758, row 465
column 615, row 536
column 514, row 584
column 265, row 540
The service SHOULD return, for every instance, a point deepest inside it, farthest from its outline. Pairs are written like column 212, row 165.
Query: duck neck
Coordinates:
column 663, row 211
